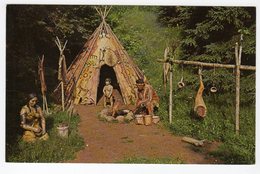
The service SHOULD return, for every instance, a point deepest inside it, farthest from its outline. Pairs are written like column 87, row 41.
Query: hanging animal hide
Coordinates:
column 62, row 72
column 41, row 75
column 200, row 108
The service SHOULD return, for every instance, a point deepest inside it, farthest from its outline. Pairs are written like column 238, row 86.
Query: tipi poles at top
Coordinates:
column 103, row 14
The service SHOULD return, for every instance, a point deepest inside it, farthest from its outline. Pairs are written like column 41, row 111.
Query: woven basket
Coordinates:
column 156, row 119
column 139, row 119
column 147, row 120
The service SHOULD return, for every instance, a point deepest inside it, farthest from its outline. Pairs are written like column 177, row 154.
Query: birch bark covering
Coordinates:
column 103, row 48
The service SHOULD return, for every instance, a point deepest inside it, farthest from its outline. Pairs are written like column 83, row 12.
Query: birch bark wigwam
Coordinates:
column 102, row 49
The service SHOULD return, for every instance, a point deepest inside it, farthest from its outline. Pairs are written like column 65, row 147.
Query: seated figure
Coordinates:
column 33, row 121
column 146, row 100
column 108, row 93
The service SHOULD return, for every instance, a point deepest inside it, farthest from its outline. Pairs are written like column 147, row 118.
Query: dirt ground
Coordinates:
column 113, row 142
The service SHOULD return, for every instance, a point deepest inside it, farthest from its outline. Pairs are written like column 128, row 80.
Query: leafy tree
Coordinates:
column 30, row 32
column 209, row 33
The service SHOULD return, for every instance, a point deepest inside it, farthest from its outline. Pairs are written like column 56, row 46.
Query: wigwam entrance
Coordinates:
column 107, row 72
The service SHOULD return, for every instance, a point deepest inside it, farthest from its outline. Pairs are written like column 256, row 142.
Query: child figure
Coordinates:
column 108, row 91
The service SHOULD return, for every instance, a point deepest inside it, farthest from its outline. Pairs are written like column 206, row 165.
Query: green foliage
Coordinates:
column 206, row 34
column 219, row 123
column 31, row 30
column 56, row 149
column 209, row 33
column 237, row 149
column 142, row 160
column 144, row 39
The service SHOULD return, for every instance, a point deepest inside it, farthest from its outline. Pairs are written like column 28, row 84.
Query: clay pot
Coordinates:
column 139, row 119
column 147, row 120
column 156, row 119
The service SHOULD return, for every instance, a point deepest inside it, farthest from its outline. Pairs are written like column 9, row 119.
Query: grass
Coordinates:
column 56, row 149
column 143, row 160
column 145, row 41
column 217, row 126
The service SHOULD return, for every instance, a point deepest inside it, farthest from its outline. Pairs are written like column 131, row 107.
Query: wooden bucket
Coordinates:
column 63, row 130
column 139, row 119
column 156, row 119
column 147, row 120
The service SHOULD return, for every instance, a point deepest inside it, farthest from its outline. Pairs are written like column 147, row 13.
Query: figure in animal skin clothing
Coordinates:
column 33, row 121
column 108, row 93
column 145, row 98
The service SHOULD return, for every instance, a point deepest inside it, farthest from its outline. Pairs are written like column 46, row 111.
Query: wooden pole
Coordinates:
column 43, row 104
column 62, row 95
column 238, row 54
column 238, row 67
column 47, row 109
column 170, row 96
column 216, row 65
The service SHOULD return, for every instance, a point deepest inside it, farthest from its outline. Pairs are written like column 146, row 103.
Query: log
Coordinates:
column 216, row 65
column 193, row 141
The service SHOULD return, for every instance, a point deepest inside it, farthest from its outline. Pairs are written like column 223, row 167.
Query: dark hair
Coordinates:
column 140, row 81
column 31, row 96
column 108, row 79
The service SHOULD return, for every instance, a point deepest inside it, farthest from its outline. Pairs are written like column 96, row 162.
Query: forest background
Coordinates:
column 205, row 34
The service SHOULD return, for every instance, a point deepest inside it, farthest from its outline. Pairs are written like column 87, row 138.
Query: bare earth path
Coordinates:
column 112, row 142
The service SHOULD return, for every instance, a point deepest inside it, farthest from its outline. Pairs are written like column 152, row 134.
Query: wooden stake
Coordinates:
column 238, row 67
column 238, row 54
column 45, row 104
column 47, row 109
column 62, row 95
column 170, row 96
